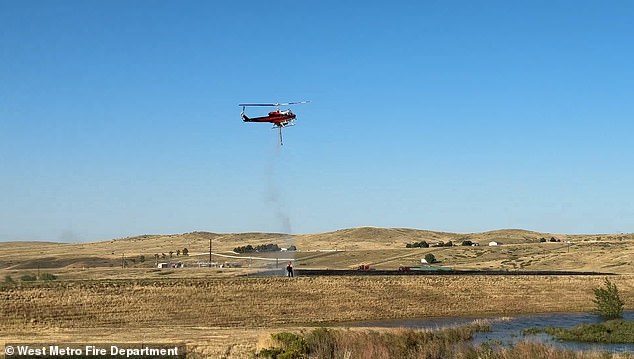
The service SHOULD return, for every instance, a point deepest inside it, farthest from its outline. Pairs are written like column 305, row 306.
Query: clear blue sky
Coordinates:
column 120, row 118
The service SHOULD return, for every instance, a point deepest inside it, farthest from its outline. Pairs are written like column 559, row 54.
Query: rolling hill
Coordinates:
column 345, row 248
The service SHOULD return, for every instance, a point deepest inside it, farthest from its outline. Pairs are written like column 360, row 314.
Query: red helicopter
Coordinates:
column 279, row 118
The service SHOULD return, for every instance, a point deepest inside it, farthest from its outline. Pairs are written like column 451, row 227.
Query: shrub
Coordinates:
column 608, row 301
column 28, row 278
column 289, row 346
column 430, row 258
column 611, row 331
column 261, row 248
column 398, row 343
column 244, row 249
column 48, row 276
column 421, row 244
column 8, row 279
column 322, row 343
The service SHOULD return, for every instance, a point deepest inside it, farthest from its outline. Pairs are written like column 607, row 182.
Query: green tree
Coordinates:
column 608, row 301
column 185, row 252
column 244, row 249
column 141, row 258
column 421, row 244
column 430, row 258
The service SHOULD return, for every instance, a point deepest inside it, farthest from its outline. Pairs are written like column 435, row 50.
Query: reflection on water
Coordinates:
column 508, row 330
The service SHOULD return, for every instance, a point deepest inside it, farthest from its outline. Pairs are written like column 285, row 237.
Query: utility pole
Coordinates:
column 209, row 252
column 122, row 260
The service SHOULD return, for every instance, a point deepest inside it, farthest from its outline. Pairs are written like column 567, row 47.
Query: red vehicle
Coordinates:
column 279, row 118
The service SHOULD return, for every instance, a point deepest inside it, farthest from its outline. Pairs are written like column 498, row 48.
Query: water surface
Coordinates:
column 508, row 330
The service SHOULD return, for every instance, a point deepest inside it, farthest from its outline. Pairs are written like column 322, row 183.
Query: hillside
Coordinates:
column 345, row 248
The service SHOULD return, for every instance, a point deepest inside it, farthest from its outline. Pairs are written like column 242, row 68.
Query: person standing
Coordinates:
column 289, row 269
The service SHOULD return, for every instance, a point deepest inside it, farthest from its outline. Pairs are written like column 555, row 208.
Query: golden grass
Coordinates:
column 206, row 342
column 172, row 309
column 266, row 302
column 223, row 314
column 379, row 247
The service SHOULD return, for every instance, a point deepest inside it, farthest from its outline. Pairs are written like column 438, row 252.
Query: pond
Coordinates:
column 508, row 330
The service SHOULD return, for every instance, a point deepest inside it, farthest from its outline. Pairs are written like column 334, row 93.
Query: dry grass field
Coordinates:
column 225, row 312
column 379, row 247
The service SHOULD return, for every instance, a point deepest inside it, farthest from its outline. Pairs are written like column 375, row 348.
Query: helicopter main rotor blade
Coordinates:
column 292, row 103
column 271, row 104
column 257, row 104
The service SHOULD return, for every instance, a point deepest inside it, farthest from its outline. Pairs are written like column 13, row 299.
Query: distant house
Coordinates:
column 170, row 265
column 493, row 244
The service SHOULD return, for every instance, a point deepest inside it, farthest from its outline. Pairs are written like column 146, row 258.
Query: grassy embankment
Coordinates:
column 611, row 331
column 324, row 343
column 228, row 315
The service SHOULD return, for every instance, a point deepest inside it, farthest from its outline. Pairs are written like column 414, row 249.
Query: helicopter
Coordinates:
column 279, row 118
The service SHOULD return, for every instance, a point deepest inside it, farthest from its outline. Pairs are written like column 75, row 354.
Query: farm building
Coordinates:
column 170, row 265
